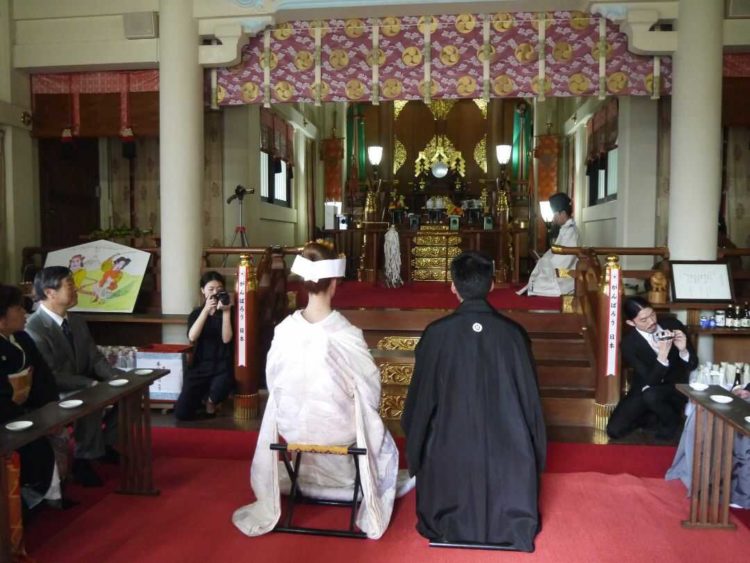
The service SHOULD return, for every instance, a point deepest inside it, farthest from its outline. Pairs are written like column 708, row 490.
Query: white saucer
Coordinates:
column 118, row 382
column 143, row 371
column 70, row 403
column 721, row 399
column 19, row 425
column 698, row 386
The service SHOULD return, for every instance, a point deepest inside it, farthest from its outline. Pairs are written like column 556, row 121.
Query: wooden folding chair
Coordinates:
column 296, row 497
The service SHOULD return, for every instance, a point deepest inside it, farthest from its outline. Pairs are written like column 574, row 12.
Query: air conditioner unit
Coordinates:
column 738, row 8
column 141, row 25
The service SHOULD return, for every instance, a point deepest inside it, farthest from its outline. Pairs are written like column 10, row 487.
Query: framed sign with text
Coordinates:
column 701, row 281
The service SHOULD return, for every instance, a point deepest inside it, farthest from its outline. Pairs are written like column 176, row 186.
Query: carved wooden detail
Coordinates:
column 396, row 374
column 398, row 343
column 392, row 405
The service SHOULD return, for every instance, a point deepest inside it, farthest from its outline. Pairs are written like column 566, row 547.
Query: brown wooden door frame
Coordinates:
column 68, row 188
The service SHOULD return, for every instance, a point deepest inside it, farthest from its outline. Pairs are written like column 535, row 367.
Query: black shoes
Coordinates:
column 60, row 503
column 111, row 455
column 84, row 474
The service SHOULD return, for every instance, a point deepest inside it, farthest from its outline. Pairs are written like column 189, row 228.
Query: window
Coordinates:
column 275, row 181
column 602, row 176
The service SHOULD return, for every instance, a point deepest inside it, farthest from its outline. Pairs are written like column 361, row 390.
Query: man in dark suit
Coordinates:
column 661, row 355
column 67, row 347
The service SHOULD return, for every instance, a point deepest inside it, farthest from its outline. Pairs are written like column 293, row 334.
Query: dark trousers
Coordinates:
column 212, row 381
column 663, row 401
column 37, row 465
column 94, row 432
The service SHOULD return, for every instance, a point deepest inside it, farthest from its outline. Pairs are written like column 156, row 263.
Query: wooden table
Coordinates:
column 134, row 427
column 715, row 425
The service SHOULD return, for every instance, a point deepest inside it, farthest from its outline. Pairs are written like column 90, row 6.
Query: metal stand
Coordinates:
column 296, row 497
column 239, row 231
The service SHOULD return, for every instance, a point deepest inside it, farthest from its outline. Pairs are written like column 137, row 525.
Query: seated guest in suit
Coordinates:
column 211, row 375
column 545, row 279
column 682, row 465
column 475, row 435
column 26, row 384
column 66, row 345
column 661, row 355
column 323, row 388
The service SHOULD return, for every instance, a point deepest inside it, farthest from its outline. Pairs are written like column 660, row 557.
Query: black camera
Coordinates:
column 664, row 335
column 240, row 192
column 223, row 298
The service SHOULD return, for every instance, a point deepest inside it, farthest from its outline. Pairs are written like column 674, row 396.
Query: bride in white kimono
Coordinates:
column 544, row 279
column 323, row 388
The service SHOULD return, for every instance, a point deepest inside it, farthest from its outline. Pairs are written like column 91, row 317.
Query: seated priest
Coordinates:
column 660, row 355
column 324, row 389
column 553, row 274
column 26, row 384
column 475, row 436
column 682, row 465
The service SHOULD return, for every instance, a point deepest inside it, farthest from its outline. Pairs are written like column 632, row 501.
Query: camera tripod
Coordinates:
column 240, row 232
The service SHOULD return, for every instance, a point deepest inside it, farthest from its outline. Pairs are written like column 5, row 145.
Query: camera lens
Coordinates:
column 223, row 297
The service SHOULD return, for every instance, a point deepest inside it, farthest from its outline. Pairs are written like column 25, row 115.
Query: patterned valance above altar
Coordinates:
column 458, row 56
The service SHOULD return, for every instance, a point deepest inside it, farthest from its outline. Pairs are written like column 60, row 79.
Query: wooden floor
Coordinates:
column 225, row 421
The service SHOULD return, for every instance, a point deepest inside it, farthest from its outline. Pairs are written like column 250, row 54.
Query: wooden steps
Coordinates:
column 565, row 368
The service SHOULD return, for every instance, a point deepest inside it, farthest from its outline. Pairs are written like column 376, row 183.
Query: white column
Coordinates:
column 695, row 168
column 181, row 155
column 636, row 169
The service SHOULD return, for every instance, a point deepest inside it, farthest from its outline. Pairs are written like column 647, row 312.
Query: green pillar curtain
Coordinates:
column 355, row 141
column 523, row 128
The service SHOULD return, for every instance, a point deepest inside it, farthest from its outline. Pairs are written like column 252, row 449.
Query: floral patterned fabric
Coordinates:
column 394, row 57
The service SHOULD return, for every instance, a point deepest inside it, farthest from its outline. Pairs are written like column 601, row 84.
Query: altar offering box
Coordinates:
column 164, row 356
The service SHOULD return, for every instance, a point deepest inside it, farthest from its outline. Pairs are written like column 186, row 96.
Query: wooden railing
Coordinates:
column 593, row 301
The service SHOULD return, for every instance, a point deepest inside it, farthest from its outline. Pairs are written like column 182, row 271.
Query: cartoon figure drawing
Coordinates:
column 112, row 268
column 76, row 267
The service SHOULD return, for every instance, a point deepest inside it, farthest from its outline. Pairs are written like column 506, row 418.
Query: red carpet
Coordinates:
column 427, row 295
column 592, row 512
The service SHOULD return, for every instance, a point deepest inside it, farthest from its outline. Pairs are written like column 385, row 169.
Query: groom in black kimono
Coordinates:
column 475, row 434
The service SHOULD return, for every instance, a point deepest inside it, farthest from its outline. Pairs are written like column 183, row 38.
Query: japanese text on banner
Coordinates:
column 242, row 315
column 613, row 323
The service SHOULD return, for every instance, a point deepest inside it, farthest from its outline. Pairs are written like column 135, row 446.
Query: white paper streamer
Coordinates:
column 242, row 316
column 486, row 62
column 427, row 61
column 318, row 86
column 267, row 69
column 542, row 56
column 656, row 86
column 375, row 87
column 602, row 58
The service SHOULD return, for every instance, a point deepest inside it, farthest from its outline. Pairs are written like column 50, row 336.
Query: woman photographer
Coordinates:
column 210, row 376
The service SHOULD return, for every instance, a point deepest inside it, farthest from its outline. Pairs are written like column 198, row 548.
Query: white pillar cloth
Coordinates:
column 392, row 251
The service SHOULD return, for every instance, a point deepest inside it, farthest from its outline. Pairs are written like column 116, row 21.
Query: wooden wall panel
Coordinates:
column 735, row 109
column 144, row 113
column 52, row 114
column 100, row 115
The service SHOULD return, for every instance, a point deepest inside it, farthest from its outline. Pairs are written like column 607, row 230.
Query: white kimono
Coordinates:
column 543, row 279
column 323, row 388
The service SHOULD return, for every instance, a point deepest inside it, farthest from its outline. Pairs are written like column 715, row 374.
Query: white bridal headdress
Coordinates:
column 314, row 271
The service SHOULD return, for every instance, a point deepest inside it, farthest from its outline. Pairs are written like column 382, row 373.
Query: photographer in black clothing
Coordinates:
column 661, row 355
column 211, row 374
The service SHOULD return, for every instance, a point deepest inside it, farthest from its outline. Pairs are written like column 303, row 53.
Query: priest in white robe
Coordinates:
column 545, row 279
column 323, row 388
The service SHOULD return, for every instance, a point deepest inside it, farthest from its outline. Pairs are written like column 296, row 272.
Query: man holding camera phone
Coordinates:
column 661, row 356
column 210, row 376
